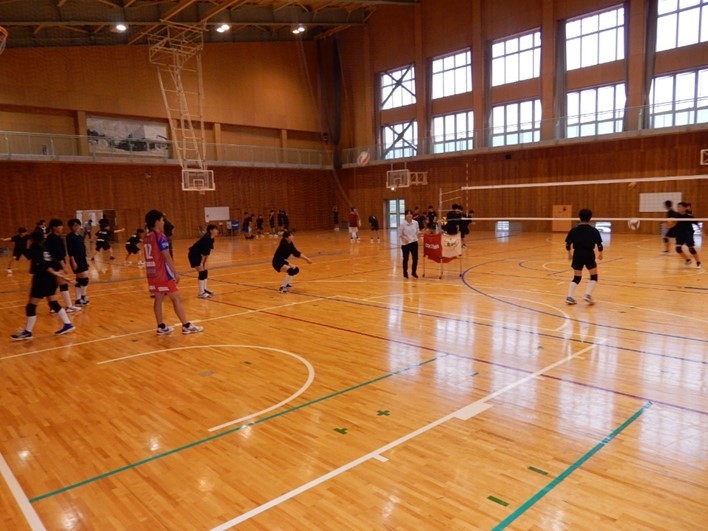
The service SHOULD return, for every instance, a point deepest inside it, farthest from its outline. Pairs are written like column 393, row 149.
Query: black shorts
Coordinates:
column 43, row 286
column 685, row 239
column 102, row 246
column 19, row 253
column 132, row 249
column 583, row 259
column 81, row 266
column 195, row 260
column 278, row 265
column 374, row 226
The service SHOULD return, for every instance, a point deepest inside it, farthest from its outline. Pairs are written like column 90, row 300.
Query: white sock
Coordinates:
column 67, row 298
column 30, row 322
column 202, row 286
column 591, row 286
column 79, row 292
column 288, row 278
column 571, row 289
column 64, row 317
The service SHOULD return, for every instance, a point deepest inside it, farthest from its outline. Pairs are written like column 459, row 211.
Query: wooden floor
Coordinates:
column 362, row 400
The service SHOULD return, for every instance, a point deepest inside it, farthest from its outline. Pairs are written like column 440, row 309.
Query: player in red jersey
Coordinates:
column 162, row 274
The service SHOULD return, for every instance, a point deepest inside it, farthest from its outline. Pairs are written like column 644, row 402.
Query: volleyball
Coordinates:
column 633, row 223
column 363, row 158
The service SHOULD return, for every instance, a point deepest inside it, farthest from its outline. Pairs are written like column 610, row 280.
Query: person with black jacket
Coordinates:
column 285, row 249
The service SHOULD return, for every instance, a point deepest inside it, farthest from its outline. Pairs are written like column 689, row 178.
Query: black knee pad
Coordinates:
column 83, row 282
column 64, row 287
column 692, row 250
column 576, row 279
column 593, row 277
column 31, row 310
column 54, row 305
column 292, row 271
column 203, row 275
column 679, row 250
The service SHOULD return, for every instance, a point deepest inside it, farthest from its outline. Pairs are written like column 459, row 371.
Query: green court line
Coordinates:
column 497, row 500
column 568, row 471
column 534, row 469
column 228, row 432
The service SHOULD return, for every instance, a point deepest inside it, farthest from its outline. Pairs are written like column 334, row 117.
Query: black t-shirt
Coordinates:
column 133, row 240
column 20, row 242
column 55, row 245
column 453, row 225
column 75, row 247
column 374, row 223
column 584, row 237
column 168, row 228
column 103, row 235
column 284, row 250
column 684, row 227
column 203, row 246
column 41, row 260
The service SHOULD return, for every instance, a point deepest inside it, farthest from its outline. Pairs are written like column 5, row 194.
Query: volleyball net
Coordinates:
column 554, row 205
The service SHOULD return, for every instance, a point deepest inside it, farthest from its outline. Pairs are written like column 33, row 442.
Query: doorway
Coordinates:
column 394, row 212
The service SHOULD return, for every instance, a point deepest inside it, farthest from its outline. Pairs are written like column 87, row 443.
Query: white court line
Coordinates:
column 152, row 330
column 23, row 502
column 305, row 386
column 464, row 413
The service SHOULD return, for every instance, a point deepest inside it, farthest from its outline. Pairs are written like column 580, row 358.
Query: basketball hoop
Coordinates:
column 3, row 38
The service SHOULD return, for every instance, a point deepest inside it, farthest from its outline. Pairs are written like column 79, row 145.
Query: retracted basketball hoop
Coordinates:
column 201, row 181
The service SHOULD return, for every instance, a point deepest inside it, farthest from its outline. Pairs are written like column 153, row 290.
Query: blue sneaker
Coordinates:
column 25, row 335
column 68, row 327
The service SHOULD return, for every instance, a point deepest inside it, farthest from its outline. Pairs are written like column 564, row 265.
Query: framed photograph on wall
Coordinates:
column 119, row 136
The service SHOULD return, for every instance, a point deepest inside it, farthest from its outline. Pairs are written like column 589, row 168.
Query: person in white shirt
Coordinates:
column 408, row 233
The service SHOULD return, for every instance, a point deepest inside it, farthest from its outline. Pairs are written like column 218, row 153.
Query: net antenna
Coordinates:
column 3, row 39
column 176, row 50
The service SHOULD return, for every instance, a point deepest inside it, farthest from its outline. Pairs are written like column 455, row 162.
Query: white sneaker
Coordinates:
column 570, row 300
column 9, row 271
column 588, row 299
column 73, row 309
column 203, row 295
column 164, row 331
column 192, row 329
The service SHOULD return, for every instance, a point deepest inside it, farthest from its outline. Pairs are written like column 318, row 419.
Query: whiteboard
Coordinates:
column 216, row 214
column 655, row 202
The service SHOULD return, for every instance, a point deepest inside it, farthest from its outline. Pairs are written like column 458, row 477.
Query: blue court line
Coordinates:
column 199, row 442
column 568, row 471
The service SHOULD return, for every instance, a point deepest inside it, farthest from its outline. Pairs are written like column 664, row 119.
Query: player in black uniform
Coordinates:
column 198, row 254
column 20, row 247
column 683, row 232
column 131, row 246
column 76, row 250
column 259, row 226
column 104, row 234
column 54, row 243
column 583, row 238
column 169, row 231
column 280, row 260
column 668, row 228
column 45, row 272
column 374, row 224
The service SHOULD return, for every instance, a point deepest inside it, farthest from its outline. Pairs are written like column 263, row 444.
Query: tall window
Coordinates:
column 516, row 59
column 452, row 74
column 679, row 99
column 595, row 39
column 596, row 111
column 680, row 23
column 400, row 140
column 516, row 123
column 453, row 132
column 398, row 87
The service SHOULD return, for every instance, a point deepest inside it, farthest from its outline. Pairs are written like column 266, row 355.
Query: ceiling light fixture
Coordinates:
column 223, row 28
column 298, row 29
column 121, row 27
